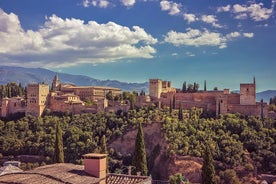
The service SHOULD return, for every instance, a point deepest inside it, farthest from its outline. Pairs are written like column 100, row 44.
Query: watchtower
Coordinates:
column 248, row 93
column 37, row 98
column 155, row 88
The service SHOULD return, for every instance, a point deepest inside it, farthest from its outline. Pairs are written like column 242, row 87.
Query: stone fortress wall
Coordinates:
column 219, row 101
column 70, row 98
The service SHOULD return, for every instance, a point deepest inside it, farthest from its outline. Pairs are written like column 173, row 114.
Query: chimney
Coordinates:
column 95, row 164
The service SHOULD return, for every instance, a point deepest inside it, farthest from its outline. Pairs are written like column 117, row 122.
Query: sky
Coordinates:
column 225, row 42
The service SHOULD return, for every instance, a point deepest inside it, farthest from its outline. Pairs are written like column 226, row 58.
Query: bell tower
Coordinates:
column 56, row 83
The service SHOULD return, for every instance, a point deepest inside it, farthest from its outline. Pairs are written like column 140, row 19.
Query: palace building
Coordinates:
column 61, row 98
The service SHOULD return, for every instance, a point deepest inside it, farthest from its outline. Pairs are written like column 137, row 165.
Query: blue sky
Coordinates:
column 225, row 42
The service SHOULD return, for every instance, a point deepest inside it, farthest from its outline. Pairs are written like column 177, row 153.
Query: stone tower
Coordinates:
column 37, row 99
column 56, row 84
column 248, row 93
column 155, row 88
column 4, row 107
column 221, row 104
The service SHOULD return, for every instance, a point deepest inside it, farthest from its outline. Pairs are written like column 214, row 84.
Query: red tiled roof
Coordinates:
column 127, row 179
column 69, row 174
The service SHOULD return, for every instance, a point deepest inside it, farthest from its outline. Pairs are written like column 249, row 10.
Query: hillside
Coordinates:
column 38, row 75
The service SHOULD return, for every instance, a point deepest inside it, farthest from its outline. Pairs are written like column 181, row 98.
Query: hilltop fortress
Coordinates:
column 71, row 99
column 60, row 98
column 220, row 102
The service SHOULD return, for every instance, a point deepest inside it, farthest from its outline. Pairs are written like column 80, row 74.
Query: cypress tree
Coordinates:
column 180, row 113
column 205, row 87
column 208, row 169
column 170, row 107
column 173, row 102
column 139, row 160
column 103, row 145
column 104, row 151
column 184, row 87
column 59, row 154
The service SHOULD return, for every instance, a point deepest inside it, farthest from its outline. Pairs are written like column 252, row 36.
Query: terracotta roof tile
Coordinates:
column 69, row 174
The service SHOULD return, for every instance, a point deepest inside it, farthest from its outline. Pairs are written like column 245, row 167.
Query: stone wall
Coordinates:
column 247, row 94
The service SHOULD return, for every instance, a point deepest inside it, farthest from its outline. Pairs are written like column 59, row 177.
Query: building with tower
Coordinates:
column 217, row 101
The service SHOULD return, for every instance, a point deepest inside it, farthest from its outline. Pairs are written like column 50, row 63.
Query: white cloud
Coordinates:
column 258, row 13
column 67, row 42
column 170, row 6
column 239, row 8
column 211, row 19
column 128, row 3
column 248, row 35
column 241, row 16
column 96, row 3
column 189, row 17
column 255, row 11
column 224, row 8
column 233, row 35
column 195, row 37
column 86, row 3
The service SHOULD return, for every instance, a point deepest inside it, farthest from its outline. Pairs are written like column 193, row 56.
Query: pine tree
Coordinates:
column 59, row 154
column 139, row 160
column 208, row 170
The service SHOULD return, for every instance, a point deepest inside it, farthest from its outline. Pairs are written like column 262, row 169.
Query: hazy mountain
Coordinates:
column 39, row 75
column 266, row 95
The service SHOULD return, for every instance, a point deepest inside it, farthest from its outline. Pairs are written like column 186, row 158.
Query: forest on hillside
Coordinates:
column 232, row 136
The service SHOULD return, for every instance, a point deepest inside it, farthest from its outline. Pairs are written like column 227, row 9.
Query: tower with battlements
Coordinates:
column 155, row 88
column 248, row 93
column 37, row 99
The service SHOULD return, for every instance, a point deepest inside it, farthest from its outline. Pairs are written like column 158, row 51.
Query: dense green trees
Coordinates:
column 139, row 160
column 230, row 135
column 192, row 88
column 12, row 90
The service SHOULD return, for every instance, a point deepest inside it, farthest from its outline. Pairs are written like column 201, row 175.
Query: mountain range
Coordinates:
column 39, row 75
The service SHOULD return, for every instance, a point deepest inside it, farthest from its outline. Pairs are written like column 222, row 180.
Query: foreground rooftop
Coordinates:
column 69, row 174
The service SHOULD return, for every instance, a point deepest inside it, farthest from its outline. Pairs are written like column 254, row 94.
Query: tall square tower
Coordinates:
column 248, row 94
column 37, row 99
column 155, row 88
